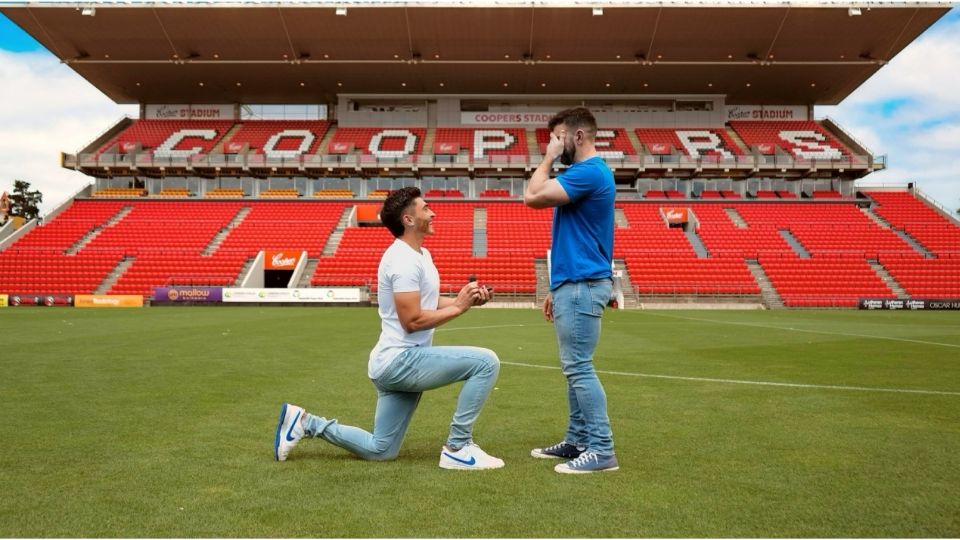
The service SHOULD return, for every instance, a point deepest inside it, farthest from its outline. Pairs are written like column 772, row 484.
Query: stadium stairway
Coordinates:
column 543, row 280
column 307, row 274
column 620, row 218
column 244, row 269
column 888, row 279
column 333, row 242
column 224, row 232
column 87, row 238
column 479, row 231
column 696, row 243
column 768, row 294
column 736, row 218
column 114, row 275
column 629, row 300
column 795, row 244
column 914, row 243
column 884, row 224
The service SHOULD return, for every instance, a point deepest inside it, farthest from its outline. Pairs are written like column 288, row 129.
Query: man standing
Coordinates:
column 404, row 363
column 580, row 282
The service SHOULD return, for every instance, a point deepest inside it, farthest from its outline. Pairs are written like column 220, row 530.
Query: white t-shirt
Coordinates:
column 402, row 269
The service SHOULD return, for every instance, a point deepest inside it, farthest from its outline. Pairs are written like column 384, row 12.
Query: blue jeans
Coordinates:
column 577, row 309
column 399, row 389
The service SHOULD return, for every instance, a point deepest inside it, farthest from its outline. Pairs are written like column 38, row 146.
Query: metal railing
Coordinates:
column 413, row 161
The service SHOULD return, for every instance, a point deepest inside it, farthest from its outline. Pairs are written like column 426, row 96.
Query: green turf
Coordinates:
column 160, row 422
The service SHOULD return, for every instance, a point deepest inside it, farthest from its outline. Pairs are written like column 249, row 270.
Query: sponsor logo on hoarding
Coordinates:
column 675, row 215
column 108, row 300
column 659, row 148
column 163, row 295
column 893, row 304
column 916, row 304
column 282, row 260
column 3, row 300
column 279, row 260
column 309, row 295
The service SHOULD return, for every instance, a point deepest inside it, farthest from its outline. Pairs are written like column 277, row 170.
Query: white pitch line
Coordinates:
column 791, row 329
column 479, row 327
column 754, row 383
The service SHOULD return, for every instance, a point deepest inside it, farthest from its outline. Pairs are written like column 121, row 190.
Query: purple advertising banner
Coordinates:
column 168, row 295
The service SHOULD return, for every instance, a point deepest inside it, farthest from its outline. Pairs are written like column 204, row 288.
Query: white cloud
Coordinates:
column 48, row 108
column 910, row 112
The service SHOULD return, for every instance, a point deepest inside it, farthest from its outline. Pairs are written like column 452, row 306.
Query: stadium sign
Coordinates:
column 485, row 118
column 767, row 113
column 189, row 112
column 913, row 303
column 169, row 295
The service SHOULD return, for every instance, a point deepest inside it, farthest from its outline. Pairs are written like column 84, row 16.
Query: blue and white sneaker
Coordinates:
column 469, row 458
column 289, row 431
column 561, row 450
column 588, row 462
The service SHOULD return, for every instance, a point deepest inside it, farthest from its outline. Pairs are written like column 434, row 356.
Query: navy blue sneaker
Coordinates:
column 588, row 462
column 561, row 450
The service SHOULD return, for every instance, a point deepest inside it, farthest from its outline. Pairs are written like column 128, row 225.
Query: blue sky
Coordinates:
column 909, row 111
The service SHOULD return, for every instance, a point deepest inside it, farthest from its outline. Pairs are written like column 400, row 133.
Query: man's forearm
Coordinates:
column 432, row 318
column 539, row 177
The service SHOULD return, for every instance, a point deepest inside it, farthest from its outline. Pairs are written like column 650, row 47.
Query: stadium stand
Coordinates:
column 280, row 193
column 174, row 193
column 163, row 241
column 282, row 138
column 495, row 194
column 482, row 143
column 334, row 194
column 221, row 193
column 379, row 142
column 924, row 224
column 120, row 192
column 693, row 142
column 284, row 225
column 169, row 138
column 801, row 139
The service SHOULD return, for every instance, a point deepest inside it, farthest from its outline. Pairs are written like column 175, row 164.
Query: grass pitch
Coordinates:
column 160, row 422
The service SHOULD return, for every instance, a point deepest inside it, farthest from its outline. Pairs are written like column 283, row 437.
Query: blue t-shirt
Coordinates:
column 582, row 243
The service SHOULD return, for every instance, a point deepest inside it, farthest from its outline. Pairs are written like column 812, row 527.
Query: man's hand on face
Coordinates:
column 555, row 146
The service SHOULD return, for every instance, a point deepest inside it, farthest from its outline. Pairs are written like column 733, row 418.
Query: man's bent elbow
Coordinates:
column 532, row 201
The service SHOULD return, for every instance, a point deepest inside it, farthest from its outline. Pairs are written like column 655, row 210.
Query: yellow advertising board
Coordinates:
column 107, row 300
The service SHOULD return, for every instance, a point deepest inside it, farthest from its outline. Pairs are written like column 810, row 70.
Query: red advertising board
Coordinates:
column 282, row 260
column 368, row 213
column 675, row 215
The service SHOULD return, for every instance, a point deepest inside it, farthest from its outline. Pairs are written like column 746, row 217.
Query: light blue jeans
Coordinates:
column 577, row 309
column 399, row 389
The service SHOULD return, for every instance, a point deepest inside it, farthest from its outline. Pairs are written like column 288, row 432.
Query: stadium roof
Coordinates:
column 308, row 52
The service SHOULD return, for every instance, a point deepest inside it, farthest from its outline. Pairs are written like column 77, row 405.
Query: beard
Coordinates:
column 567, row 156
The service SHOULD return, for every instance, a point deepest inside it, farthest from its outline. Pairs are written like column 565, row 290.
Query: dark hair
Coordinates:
column 575, row 118
column 397, row 202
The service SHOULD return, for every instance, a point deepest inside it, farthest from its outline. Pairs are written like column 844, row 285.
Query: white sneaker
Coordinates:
column 470, row 457
column 289, row 431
